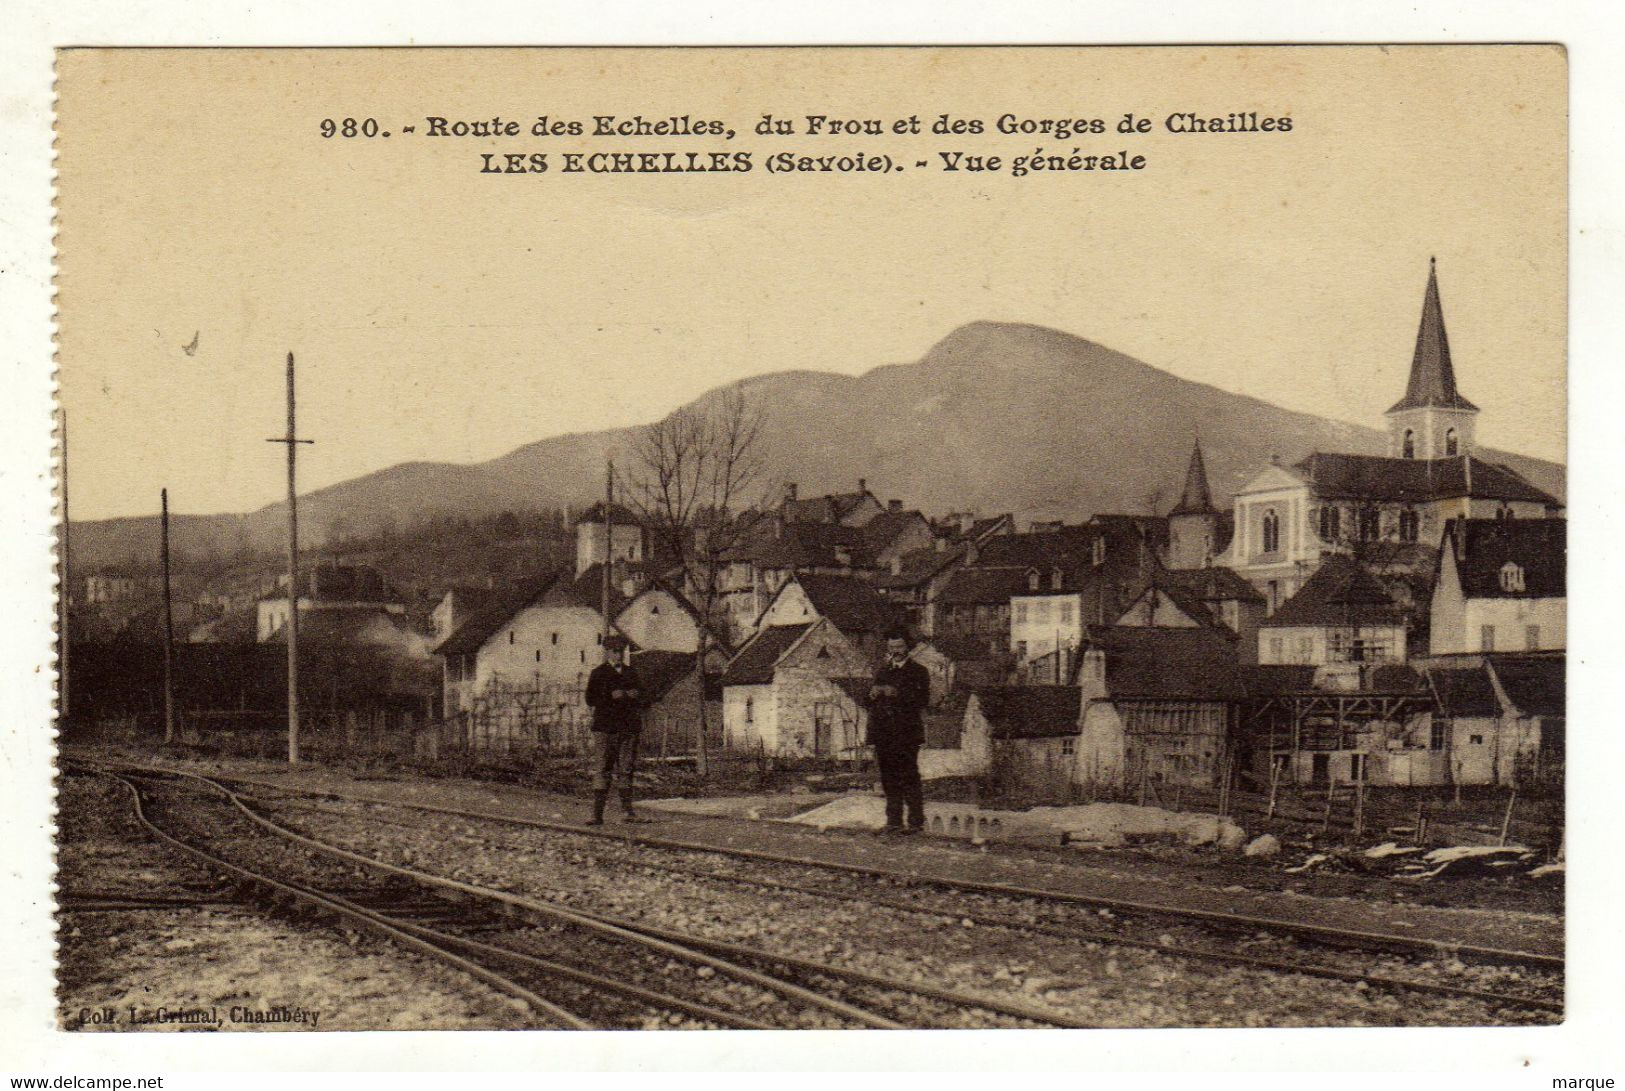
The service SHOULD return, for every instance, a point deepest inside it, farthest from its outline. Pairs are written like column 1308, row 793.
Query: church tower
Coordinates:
column 1432, row 420
column 1193, row 524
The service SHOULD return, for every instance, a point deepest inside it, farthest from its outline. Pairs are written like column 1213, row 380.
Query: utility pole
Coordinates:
column 169, row 621
column 292, row 440
column 63, row 588
column 609, row 544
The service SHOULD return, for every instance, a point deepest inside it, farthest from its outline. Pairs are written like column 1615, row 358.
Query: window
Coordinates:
column 1370, row 524
column 1041, row 612
column 1277, row 649
column 1409, row 524
column 654, row 608
column 1438, row 732
column 1306, row 650
column 1032, row 580
column 1100, row 551
column 1512, row 577
column 1356, row 767
column 1410, row 443
column 538, row 655
column 1272, row 531
column 1066, row 613
column 1531, row 637
column 1331, row 519
column 1486, row 638
column 750, row 710
column 583, row 655
column 1450, row 444
column 1021, row 613
column 510, row 636
column 1476, row 740
column 1274, row 593
column 1021, row 649
column 1069, row 746
column 555, row 638
column 1055, row 579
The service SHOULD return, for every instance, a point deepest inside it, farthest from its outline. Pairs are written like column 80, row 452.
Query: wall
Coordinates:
column 1102, row 750
column 1047, row 618
column 790, row 607
column 1310, row 644
column 590, row 544
column 750, row 718
column 655, row 621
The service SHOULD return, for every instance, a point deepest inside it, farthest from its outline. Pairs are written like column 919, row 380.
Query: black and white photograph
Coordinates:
column 1043, row 538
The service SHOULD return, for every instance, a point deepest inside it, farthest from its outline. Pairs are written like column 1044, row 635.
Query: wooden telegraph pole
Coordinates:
column 609, row 545
column 169, row 621
column 292, row 440
column 63, row 587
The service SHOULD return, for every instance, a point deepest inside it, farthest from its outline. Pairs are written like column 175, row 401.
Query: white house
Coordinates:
column 1501, row 587
column 621, row 534
column 1342, row 614
column 797, row 691
column 332, row 591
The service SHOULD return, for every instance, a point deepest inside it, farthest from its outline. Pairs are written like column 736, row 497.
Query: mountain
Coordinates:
column 996, row 417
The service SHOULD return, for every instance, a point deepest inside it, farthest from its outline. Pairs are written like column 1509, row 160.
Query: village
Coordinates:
column 1344, row 622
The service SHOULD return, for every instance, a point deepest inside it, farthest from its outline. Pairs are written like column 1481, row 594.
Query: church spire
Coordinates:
column 1433, row 379
column 1196, row 499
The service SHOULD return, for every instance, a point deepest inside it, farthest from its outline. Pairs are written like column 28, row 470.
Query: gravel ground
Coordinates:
column 1099, row 983
column 185, row 961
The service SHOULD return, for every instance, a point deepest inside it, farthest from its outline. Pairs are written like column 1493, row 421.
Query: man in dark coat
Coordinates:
column 897, row 700
column 616, row 699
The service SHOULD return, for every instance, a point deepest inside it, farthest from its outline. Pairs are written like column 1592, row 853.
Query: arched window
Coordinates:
column 1409, row 525
column 1512, row 577
column 1450, row 443
column 1272, row 531
column 1410, row 444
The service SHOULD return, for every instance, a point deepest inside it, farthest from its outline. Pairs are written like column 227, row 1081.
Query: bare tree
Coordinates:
column 691, row 474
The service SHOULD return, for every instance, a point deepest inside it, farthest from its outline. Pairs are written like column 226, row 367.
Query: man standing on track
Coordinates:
column 897, row 700
column 616, row 699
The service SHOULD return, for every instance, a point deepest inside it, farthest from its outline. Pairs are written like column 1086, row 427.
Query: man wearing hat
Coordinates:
column 897, row 701
column 616, row 700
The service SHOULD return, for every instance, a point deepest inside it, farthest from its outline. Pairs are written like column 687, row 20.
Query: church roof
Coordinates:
column 1196, row 499
column 1433, row 379
column 1416, row 480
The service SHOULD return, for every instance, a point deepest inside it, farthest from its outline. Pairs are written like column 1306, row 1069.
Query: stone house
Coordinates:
column 1341, row 614
column 796, row 691
column 1501, row 587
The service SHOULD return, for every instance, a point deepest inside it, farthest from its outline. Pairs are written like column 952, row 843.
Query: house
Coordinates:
column 1501, row 587
column 773, row 550
column 1157, row 705
column 960, row 527
column 1286, row 519
column 655, row 616
column 1342, row 614
column 515, row 673
column 1186, row 598
column 328, row 590
column 612, row 530
column 915, row 581
column 1534, row 715
column 1023, row 739
column 892, row 533
column 853, row 606
column 796, row 691
column 459, row 603
column 1341, row 724
column 675, row 689
column 851, row 509
column 1197, row 530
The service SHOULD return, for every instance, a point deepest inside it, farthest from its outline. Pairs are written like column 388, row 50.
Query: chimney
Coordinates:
column 897, row 566
column 863, row 484
column 789, row 491
column 942, row 545
column 894, row 505
column 967, row 521
column 971, row 553
column 843, row 556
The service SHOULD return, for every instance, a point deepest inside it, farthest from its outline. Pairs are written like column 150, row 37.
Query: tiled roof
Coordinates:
column 1069, row 547
column 1534, row 685
column 1484, row 546
column 659, row 671
column 1341, row 592
column 829, row 508
column 920, row 565
column 1433, row 379
column 1271, row 679
column 1464, row 691
column 754, row 664
column 983, row 586
column 1030, row 712
column 884, row 529
column 852, row 605
column 623, row 515
column 1209, row 584
column 810, row 545
column 1416, row 480
column 1168, row 664
column 504, row 604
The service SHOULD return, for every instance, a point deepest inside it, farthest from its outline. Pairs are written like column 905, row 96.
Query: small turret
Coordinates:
column 1193, row 524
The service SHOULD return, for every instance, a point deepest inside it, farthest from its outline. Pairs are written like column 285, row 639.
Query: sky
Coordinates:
column 207, row 228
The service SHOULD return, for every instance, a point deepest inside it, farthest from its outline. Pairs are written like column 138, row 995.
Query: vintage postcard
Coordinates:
column 811, row 538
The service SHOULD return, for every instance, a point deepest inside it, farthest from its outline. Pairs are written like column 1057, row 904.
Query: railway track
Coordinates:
column 1032, row 911
column 547, row 956
column 989, row 916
